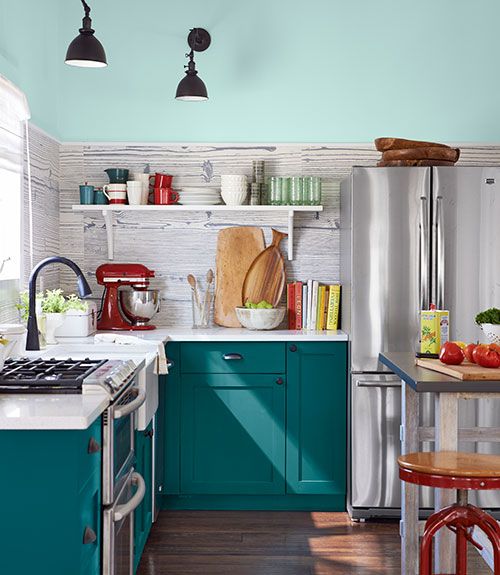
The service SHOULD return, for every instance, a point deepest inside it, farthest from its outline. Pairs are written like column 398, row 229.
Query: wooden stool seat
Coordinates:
column 452, row 463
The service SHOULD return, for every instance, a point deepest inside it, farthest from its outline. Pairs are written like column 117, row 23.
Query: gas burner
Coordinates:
column 26, row 375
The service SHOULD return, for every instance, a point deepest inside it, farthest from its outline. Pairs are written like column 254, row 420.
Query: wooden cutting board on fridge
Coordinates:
column 465, row 371
column 265, row 279
column 237, row 248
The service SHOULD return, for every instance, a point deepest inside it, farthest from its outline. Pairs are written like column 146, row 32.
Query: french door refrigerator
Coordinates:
column 411, row 237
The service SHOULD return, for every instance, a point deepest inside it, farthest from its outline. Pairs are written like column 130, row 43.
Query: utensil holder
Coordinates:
column 201, row 304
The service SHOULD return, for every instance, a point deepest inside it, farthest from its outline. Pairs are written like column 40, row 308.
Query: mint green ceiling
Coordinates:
column 278, row 70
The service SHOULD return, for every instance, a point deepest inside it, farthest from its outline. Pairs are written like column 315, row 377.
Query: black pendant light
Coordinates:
column 192, row 88
column 86, row 51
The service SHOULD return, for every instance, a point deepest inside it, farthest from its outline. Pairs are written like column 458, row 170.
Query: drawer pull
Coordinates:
column 89, row 536
column 293, row 348
column 93, row 446
column 232, row 356
column 170, row 363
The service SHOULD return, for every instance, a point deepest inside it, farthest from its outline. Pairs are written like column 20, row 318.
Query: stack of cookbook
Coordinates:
column 313, row 305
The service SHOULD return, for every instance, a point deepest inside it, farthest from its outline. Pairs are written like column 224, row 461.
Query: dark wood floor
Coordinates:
column 271, row 543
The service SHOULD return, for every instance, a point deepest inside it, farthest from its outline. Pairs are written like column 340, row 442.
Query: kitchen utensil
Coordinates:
column 165, row 196
column 422, row 153
column 192, row 282
column 260, row 318
column 383, row 144
column 139, row 305
column 466, row 370
column 86, row 194
column 492, row 332
column 265, row 280
column 237, row 247
column 113, row 277
column 117, row 175
column 100, row 197
column 161, row 180
column 208, row 298
column 201, row 300
column 134, row 192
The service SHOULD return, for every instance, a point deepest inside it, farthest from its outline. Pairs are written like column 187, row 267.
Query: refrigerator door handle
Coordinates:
column 374, row 383
column 440, row 252
column 424, row 254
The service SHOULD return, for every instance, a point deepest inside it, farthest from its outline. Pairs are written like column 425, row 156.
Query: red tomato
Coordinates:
column 469, row 350
column 486, row 357
column 451, row 354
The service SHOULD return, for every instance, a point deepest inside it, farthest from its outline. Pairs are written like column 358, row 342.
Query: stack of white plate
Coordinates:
column 201, row 196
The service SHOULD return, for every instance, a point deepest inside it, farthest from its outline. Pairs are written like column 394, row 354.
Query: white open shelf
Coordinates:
column 108, row 212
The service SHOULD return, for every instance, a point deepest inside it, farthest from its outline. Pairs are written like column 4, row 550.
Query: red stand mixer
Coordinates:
column 130, row 308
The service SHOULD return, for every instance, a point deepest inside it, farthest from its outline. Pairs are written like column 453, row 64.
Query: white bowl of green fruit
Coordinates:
column 260, row 315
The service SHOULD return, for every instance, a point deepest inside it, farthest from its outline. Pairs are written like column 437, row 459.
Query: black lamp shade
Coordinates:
column 191, row 88
column 86, row 51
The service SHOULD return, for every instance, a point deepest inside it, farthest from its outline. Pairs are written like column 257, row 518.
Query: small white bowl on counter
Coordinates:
column 260, row 319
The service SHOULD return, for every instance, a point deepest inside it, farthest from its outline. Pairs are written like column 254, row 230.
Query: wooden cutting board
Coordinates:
column 237, row 248
column 265, row 279
column 383, row 144
column 466, row 370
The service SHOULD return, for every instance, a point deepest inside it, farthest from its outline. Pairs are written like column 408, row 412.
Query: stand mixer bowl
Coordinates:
column 139, row 305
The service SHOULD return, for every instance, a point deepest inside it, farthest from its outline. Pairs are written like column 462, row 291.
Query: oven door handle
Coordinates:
column 122, row 511
column 127, row 409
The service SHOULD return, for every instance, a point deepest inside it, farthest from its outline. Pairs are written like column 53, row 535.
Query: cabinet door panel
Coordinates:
column 232, row 434
column 317, row 417
column 143, row 515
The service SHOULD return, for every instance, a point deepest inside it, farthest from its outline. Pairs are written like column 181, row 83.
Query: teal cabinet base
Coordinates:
column 254, row 502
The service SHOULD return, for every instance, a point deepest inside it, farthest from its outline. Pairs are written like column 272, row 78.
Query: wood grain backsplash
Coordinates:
column 175, row 245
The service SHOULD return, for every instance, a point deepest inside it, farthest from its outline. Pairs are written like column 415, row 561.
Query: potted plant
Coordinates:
column 52, row 307
column 489, row 321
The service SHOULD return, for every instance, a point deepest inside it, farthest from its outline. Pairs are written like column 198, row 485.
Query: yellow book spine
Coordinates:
column 321, row 307
column 332, row 321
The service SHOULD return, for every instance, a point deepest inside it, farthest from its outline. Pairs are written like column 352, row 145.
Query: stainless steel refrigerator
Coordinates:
column 411, row 237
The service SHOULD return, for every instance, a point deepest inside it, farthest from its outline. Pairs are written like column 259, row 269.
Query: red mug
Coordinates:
column 166, row 196
column 161, row 180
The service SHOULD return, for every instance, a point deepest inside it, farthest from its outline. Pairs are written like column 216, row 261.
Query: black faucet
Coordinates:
column 32, row 341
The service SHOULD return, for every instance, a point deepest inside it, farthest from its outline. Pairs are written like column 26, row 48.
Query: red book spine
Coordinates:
column 298, row 305
column 290, row 299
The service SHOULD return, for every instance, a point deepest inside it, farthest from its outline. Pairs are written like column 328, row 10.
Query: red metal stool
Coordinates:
column 460, row 471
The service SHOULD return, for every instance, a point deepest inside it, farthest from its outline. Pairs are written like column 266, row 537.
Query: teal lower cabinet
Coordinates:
column 143, row 515
column 232, row 434
column 50, row 501
column 316, row 419
column 254, row 426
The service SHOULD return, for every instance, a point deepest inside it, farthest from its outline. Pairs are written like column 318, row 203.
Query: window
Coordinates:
column 14, row 113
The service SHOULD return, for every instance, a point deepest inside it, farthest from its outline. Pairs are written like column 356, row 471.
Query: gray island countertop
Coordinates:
column 425, row 380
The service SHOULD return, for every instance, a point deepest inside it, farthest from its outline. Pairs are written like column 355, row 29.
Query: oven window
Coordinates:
column 122, row 431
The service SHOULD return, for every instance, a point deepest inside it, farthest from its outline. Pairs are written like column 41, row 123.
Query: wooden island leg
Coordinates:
column 410, row 492
column 446, row 440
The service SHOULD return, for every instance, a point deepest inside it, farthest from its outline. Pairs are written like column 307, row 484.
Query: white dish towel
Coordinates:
column 161, row 358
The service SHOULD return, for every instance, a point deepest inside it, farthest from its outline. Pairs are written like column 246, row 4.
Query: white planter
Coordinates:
column 78, row 323
column 52, row 322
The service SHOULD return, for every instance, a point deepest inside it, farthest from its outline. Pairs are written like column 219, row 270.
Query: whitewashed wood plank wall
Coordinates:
column 177, row 244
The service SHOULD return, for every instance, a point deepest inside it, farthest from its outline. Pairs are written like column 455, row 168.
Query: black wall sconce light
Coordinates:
column 192, row 88
column 86, row 51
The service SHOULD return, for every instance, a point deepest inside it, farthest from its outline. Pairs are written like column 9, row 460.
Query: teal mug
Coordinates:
column 86, row 194
column 100, row 197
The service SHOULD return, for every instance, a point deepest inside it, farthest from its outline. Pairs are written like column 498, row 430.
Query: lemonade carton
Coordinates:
column 434, row 329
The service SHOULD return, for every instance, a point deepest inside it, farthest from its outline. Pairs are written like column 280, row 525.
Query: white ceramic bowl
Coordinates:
column 235, row 199
column 260, row 318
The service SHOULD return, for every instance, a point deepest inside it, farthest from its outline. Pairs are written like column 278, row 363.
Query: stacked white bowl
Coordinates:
column 234, row 189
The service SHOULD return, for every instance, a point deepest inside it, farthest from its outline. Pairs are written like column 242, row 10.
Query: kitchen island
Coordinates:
column 446, row 434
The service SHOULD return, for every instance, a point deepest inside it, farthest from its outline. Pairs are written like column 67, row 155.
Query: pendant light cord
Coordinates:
column 86, row 7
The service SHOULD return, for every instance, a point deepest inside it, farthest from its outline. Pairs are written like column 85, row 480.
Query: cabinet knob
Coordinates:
column 149, row 433
column 93, row 446
column 89, row 536
column 293, row 347
column 280, row 381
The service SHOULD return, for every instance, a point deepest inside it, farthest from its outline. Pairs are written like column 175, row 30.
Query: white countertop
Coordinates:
column 37, row 411
column 234, row 334
column 24, row 411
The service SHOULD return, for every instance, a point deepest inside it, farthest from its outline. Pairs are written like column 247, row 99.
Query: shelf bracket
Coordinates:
column 108, row 224
column 291, row 214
